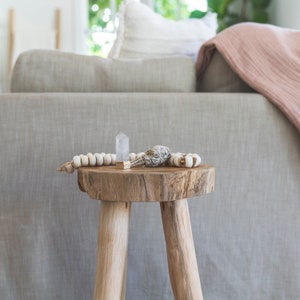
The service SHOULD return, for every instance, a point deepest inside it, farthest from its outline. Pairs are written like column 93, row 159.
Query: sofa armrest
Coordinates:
column 244, row 232
column 220, row 78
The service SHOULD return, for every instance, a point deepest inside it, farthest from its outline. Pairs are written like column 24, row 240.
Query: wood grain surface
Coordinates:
column 182, row 261
column 145, row 183
column 110, row 282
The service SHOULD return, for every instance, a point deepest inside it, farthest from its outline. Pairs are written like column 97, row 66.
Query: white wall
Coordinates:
column 31, row 14
column 285, row 13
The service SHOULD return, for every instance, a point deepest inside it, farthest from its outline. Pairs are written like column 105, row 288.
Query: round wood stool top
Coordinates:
column 143, row 184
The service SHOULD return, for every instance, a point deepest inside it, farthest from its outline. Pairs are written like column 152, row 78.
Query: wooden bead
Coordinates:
column 113, row 159
column 171, row 160
column 76, row 161
column 92, row 159
column 84, row 160
column 107, row 160
column 177, row 160
column 196, row 160
column 99, row 159
column 188, row 161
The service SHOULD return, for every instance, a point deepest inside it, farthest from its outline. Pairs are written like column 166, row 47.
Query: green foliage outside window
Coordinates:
column 171, row 10
column 231, row 12
column 101, row 21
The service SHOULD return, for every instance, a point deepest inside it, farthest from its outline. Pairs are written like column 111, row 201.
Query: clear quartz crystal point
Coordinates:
column 122, row 147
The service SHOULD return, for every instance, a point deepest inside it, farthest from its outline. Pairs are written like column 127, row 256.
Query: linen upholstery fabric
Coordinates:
column 55, row 71
column 143, row 33
column 246, row 233
column 219, row 77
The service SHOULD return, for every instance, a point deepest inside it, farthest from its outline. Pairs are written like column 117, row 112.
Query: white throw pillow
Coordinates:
column 142, row 33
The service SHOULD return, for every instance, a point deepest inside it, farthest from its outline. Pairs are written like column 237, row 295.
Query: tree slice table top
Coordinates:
column 146, row 184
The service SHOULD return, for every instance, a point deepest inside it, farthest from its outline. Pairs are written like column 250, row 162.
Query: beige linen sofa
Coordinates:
column 246, row 233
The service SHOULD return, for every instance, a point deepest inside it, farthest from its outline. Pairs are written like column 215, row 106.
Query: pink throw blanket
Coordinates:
column 266, row 57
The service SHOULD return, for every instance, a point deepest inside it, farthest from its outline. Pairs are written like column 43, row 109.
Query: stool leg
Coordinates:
column 110, row 282
column 183, row 269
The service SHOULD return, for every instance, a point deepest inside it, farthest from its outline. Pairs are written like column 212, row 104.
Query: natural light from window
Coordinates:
column 103, row 20
column 196, row 5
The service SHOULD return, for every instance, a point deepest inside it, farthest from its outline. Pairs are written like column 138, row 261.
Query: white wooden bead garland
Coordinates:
column 181, row 160
column 190, row 160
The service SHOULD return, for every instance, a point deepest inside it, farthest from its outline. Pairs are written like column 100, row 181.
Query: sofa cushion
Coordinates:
column 55, row 71
column 219, row 77
column 143, row 33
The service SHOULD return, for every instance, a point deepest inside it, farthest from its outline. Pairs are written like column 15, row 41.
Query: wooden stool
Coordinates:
column 168, row 185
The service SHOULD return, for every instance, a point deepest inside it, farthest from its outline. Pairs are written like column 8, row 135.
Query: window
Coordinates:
column 103, row 19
